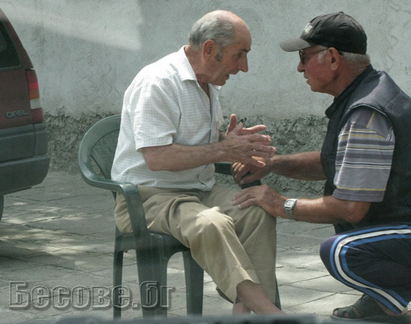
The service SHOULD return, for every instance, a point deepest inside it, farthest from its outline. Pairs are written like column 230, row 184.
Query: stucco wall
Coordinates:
column 86, row 52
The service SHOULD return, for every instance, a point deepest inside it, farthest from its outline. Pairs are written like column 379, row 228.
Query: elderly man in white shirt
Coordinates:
column 169, row 140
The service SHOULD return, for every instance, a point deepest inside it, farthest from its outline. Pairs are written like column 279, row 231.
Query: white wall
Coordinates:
column 86, row 52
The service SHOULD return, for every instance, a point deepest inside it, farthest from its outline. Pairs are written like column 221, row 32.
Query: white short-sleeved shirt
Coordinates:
column 163, row 105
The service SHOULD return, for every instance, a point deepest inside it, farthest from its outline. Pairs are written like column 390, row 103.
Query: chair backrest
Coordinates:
column 97, row 149
column 95, row 158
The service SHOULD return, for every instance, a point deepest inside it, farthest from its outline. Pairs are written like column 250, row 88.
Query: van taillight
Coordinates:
column 35, row 104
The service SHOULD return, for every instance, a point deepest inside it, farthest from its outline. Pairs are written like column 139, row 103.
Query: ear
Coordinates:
column 335, row 58
column 209, row 49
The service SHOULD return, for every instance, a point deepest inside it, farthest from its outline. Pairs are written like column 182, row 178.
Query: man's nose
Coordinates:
column 243, row 64
column 300, row 67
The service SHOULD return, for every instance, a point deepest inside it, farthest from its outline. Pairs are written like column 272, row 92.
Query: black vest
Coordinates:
column 375, row 90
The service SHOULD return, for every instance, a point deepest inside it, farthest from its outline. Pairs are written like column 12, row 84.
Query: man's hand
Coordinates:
column 269, row 199
column 247, row 173
column 244, row 145
column 244, row 131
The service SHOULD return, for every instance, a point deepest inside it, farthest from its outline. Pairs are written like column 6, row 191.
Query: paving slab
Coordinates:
column 60, row 234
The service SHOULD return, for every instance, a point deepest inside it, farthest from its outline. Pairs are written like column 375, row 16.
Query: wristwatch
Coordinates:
column 289, row 206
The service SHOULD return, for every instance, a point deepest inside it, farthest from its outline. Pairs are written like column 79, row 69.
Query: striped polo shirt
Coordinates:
column 364, row 157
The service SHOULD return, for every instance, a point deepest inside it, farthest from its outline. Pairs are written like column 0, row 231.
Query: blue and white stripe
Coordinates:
column 340, row 266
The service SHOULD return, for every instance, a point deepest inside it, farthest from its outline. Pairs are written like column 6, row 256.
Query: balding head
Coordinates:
column 220, row 25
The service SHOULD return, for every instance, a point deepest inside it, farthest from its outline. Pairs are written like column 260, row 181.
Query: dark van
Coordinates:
column 23, row 136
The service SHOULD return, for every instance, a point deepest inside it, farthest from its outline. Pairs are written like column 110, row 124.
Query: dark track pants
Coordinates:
column 373, row 260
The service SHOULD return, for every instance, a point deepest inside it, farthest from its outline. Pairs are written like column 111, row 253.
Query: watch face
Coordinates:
column 289, row 203
column 289, row 206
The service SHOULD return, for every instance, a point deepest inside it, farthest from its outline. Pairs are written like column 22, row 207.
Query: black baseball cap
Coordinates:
column 337, row 30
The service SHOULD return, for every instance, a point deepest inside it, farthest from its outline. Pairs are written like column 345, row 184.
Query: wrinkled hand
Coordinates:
column 247, row 173
column 244, row 131
column 245, row 146
column 269, row 199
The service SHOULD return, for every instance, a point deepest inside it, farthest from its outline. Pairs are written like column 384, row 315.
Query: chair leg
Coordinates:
column 152, row 274
column 117, row 280
column 277, row 297
column 194, row 277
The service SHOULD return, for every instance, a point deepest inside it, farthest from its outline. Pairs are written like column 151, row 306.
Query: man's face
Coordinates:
column 315, row 70
column 230, row 60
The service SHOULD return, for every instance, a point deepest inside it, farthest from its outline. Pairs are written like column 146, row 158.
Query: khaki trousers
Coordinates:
column 230, row 244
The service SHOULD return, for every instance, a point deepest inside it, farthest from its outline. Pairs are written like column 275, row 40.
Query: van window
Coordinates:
column 8, row 54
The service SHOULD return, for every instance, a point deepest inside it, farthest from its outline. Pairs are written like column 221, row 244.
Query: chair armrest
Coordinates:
column 132, row 197
column 223, row 167
column 114, row 186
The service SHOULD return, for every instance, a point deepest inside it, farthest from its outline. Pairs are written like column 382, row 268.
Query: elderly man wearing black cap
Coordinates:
column 365, row 160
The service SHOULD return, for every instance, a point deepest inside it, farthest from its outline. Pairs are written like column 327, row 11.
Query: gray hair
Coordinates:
column 212, row 26
column 356, row 59
column 353, row 59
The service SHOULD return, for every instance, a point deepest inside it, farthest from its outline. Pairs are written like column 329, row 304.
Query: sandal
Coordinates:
column 366, row 309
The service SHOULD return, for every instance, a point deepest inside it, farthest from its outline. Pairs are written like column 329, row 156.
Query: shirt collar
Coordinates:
column 185, row 69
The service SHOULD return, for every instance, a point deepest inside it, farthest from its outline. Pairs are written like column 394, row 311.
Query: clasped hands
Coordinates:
column 254, row 153
column 245, row 146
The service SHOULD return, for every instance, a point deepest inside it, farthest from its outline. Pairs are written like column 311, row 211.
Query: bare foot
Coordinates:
column 240, row 308
column 252, row 296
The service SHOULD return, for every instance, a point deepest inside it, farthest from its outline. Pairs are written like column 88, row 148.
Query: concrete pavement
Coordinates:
column 56, row 244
